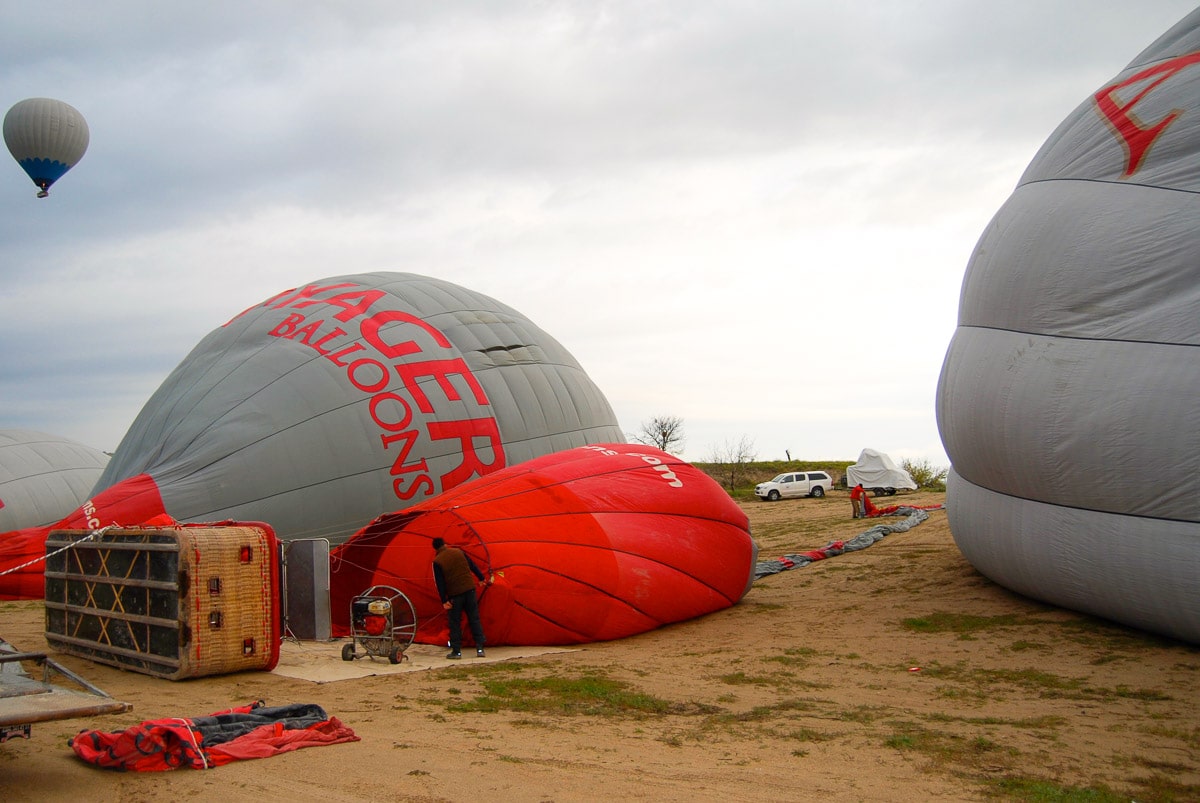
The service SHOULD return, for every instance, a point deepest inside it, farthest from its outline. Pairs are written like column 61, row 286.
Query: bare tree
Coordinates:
column 662, row 431
column 731, row 457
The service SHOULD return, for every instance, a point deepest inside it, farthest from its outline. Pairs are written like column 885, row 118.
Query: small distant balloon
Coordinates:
column 47, row 138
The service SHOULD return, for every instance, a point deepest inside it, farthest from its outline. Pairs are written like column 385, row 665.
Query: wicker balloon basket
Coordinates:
column 174, row 602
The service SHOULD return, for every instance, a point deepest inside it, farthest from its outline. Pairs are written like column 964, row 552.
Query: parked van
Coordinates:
column 793, row 484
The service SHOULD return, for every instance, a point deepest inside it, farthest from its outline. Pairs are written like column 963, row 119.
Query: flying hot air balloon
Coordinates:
column 1068, row 397
column 329, row 404
column 47, row 138
column 590, row 544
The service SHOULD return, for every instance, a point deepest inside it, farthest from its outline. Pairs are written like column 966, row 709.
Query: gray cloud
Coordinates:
column 697, row 162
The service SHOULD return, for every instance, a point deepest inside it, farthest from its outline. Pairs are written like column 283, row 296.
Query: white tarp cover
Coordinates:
column 876, row 470
column 1069, row 400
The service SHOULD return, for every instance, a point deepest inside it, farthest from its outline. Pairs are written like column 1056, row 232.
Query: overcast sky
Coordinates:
column 752, row 215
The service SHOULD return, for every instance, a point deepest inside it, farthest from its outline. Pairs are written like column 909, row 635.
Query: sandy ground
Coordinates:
column 895, row 673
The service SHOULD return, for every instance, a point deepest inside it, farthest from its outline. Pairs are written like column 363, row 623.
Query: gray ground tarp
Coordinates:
column 912, row 517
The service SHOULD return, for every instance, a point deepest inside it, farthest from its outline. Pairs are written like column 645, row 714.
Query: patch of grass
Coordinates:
column 1190, row 738
column 798, row 656
column 762, row 713
column 964, row 624
column 862, row 714
column 950, row 751
column 979, row 682
column 805, row 735
column 590, row 695
column 1023, row 646
column 1148, row 695
column 1035, row 790
column 1106, row 637
column 1048, row 722
column 1165, row 788
column 742, row 679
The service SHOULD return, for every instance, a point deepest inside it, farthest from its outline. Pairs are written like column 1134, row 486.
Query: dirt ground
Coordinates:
column 896, row 673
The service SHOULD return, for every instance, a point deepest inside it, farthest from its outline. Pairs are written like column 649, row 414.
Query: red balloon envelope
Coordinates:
column 132, row 502
column 589, row 544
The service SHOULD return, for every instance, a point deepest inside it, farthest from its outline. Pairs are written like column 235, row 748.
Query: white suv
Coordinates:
column 794, row 483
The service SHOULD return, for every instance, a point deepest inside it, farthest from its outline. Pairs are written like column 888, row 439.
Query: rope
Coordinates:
column 40, row 558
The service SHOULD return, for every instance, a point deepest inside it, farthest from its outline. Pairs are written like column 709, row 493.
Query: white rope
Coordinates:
column 192, row 735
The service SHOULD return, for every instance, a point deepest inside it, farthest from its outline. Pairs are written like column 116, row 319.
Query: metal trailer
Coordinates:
column 24, row 700
column 383, row 623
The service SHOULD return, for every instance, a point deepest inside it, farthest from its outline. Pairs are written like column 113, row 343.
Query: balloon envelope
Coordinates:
column 590, row 544
column 43, row 477
column 1068, row 398
column 329, row 404
column 47, row 138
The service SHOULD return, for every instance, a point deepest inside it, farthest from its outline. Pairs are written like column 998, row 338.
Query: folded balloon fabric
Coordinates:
column 245, row 732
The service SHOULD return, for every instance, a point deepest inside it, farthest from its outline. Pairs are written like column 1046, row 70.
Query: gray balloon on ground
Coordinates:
column 333, row 403
column 43, row 477
column 1069, row 400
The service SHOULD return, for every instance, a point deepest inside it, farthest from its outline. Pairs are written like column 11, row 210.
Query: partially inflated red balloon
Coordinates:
column 589, row 544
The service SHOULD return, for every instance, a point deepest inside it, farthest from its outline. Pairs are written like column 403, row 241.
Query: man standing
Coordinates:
column 857, row 497
column 452, row 570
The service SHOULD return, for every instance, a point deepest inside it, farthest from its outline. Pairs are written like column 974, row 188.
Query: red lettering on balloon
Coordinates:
column 441, row 371
column 374, row 370
column 293, row 297
column 466, row 432
column 394, row 426
column 336, row 356
column 363, row 300
column 306, row 332
column 407, row 439
column 337, row 332
column 1135, row 136
column 371, row 326
column 352, row 373
column 423, row 481
column 287, row 326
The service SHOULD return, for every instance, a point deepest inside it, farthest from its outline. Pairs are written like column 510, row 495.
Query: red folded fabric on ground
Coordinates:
column 245, row 732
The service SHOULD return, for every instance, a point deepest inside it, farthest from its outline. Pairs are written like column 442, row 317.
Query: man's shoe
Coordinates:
column 479, row 652
column 454, row 655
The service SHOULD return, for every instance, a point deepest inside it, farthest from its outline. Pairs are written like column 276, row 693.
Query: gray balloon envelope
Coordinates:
column 1069, row 400
column 43, row 477
column 333, row 403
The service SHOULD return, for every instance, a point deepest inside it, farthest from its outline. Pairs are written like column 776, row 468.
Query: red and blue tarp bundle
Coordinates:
column 912, row 517
column 245, row 732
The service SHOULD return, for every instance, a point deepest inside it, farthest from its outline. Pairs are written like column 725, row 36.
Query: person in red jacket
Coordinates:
column 452, row 570
column 858, row 496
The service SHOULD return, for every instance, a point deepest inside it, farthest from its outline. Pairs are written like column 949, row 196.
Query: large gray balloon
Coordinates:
column 331, row 404
column 1069, row 401
column 43, row 477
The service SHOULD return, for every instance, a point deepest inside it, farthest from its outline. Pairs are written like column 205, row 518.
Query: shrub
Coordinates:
column 925, row 474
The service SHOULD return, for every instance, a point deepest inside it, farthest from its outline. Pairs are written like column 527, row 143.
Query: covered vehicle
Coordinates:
column 876, row 471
